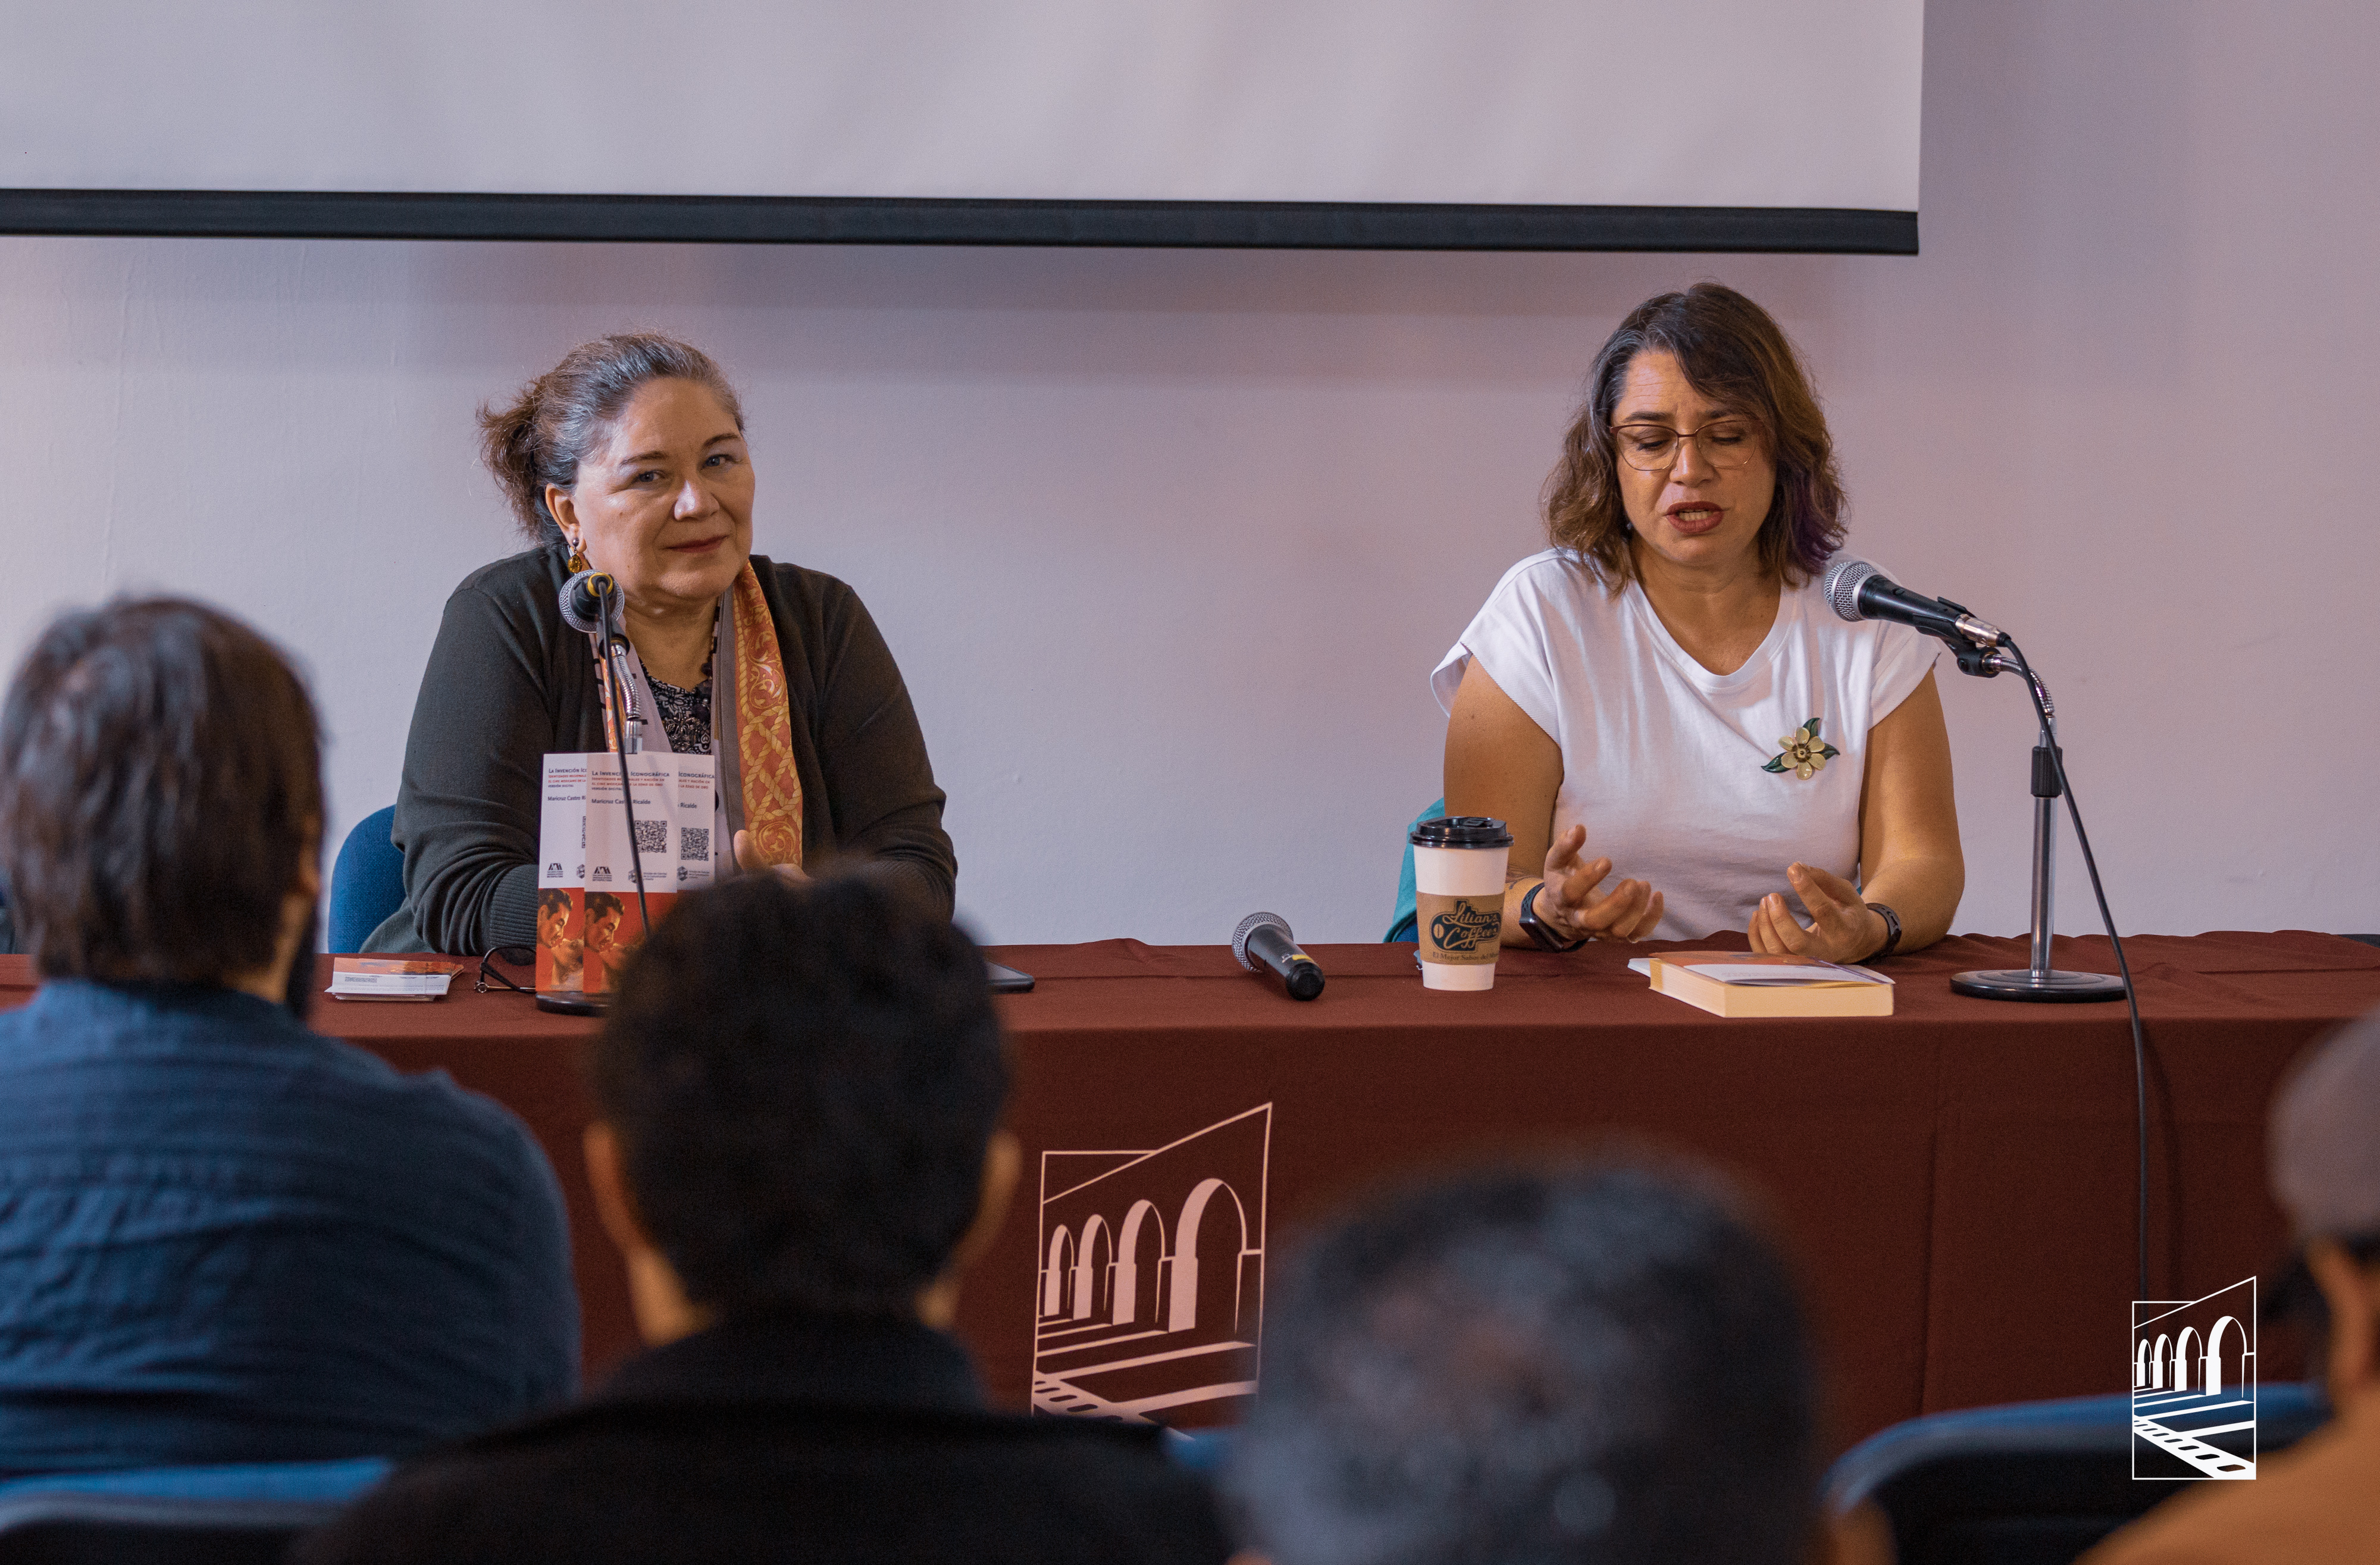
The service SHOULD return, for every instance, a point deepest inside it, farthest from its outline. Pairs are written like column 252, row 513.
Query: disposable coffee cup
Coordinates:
column 1459, row 898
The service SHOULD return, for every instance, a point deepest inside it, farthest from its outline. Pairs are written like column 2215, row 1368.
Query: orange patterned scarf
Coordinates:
column 764, row 730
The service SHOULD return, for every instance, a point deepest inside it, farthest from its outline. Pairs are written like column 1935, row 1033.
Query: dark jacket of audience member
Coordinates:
column 224, row 1238
column 1592, row 1363
column 800, row 1086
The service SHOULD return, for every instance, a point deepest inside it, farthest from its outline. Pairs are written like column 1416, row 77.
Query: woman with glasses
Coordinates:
column 1665, row 695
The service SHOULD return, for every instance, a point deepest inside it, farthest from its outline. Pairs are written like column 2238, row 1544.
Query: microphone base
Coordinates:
column 2051, row 987
column 567, row 1006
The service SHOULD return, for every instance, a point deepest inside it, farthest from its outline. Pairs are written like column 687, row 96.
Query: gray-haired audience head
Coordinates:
column 2326, row 1137
column 1591, row 1362
column 2325, row 1149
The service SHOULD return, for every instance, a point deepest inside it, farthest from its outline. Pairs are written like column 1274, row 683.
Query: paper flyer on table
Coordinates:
column 391, row 978
column 590, row 915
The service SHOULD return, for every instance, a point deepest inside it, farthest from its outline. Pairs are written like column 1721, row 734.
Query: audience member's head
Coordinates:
column 800, row 1088
column 2326, row 1172
column 160, row 799
column 1599, row 1360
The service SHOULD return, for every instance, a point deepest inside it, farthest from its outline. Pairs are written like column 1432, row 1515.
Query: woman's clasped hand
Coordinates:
column 748, row 858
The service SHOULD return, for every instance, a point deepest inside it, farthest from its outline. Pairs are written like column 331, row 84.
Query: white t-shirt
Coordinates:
column 1664, row 762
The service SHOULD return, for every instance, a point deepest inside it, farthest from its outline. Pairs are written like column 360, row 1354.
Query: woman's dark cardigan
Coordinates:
column 508, row 682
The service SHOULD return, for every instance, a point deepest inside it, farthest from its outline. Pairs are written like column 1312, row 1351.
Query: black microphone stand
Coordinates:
column 631, row 724
column 2040, row 981
column 628, row 724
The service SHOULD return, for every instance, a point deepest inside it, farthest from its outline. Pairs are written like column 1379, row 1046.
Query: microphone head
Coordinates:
column 582, row 601
column 1249, row 926
column 1844, row 579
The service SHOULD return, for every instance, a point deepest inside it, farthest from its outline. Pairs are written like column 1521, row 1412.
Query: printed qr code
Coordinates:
column 694, row 843
column 652, row 837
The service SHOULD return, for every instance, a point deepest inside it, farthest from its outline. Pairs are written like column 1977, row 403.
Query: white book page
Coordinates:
column 1778, row 975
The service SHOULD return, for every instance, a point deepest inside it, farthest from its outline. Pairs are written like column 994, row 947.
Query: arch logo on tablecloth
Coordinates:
column 2194, row 1385
column 1148, row 1301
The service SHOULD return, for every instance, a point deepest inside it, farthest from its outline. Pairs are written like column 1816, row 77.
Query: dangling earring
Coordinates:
column 577, row 557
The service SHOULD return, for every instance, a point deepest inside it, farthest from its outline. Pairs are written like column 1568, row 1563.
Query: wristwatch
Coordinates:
column 1543, row 937
column 1891, row 932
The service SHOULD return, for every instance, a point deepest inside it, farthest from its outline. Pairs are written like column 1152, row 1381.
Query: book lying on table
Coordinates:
column 391, row 977
column 1739, row 983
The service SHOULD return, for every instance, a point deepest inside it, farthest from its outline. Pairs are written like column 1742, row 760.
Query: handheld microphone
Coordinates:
column 1859, row 591
column 1265, row 938
column 583, row 598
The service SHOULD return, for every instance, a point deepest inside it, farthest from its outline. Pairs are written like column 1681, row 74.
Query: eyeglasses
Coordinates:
column 517, row 955
column 1653, row 448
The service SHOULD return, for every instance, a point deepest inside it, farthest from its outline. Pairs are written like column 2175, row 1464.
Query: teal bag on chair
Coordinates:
column 1407, row 926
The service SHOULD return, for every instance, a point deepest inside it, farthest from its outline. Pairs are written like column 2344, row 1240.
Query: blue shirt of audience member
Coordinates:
column 225, row 1238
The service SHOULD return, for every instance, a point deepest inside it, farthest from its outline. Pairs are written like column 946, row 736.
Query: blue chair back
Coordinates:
column 227, row 1515
column 2025, row 1484
column 367, row 881
column 1406, row 925
column 1198, row 1450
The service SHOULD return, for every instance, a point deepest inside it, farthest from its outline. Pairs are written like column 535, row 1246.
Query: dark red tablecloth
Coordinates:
column 1956, row 1181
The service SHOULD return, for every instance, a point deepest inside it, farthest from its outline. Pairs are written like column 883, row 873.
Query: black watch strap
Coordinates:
column 1532, row 926
column 1891, row 932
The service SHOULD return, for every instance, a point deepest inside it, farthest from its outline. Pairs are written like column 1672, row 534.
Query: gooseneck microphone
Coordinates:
column 589, row 602
column 582, row 602
column 1264, row 939
column 1859, row 591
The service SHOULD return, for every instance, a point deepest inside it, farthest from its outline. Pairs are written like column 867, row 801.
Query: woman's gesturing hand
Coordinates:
column 1842, row 927
column 1568, row 907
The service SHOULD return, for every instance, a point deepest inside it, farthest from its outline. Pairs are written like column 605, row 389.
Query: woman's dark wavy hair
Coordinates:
column 1734, row 353
column 544, row 432
column 159, row 779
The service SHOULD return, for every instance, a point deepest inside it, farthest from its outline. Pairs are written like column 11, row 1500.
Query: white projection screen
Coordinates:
column 1457, row 124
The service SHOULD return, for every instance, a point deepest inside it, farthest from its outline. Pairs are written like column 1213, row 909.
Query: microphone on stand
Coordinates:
column 1264, row 937
column 1859, row 591
column 583, row 599
column 589, row 602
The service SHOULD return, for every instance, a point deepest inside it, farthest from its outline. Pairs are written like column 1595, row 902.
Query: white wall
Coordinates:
column 1167, row 542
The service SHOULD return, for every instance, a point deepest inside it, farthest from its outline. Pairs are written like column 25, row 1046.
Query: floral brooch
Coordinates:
column 1803, row 753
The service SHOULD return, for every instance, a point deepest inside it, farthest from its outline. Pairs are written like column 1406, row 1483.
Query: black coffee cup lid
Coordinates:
column 1461, row 831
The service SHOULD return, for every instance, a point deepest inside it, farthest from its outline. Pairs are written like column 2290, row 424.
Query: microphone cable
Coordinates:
column 2123, row 968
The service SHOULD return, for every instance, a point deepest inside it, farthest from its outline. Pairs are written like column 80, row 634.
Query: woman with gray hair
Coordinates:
column 629, row 457
column 1599, row 1360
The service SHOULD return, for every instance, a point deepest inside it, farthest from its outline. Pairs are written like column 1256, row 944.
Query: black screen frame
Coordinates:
column 316, row 214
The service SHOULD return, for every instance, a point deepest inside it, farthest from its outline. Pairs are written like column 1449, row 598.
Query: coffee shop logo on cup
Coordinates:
column 1464, row 926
